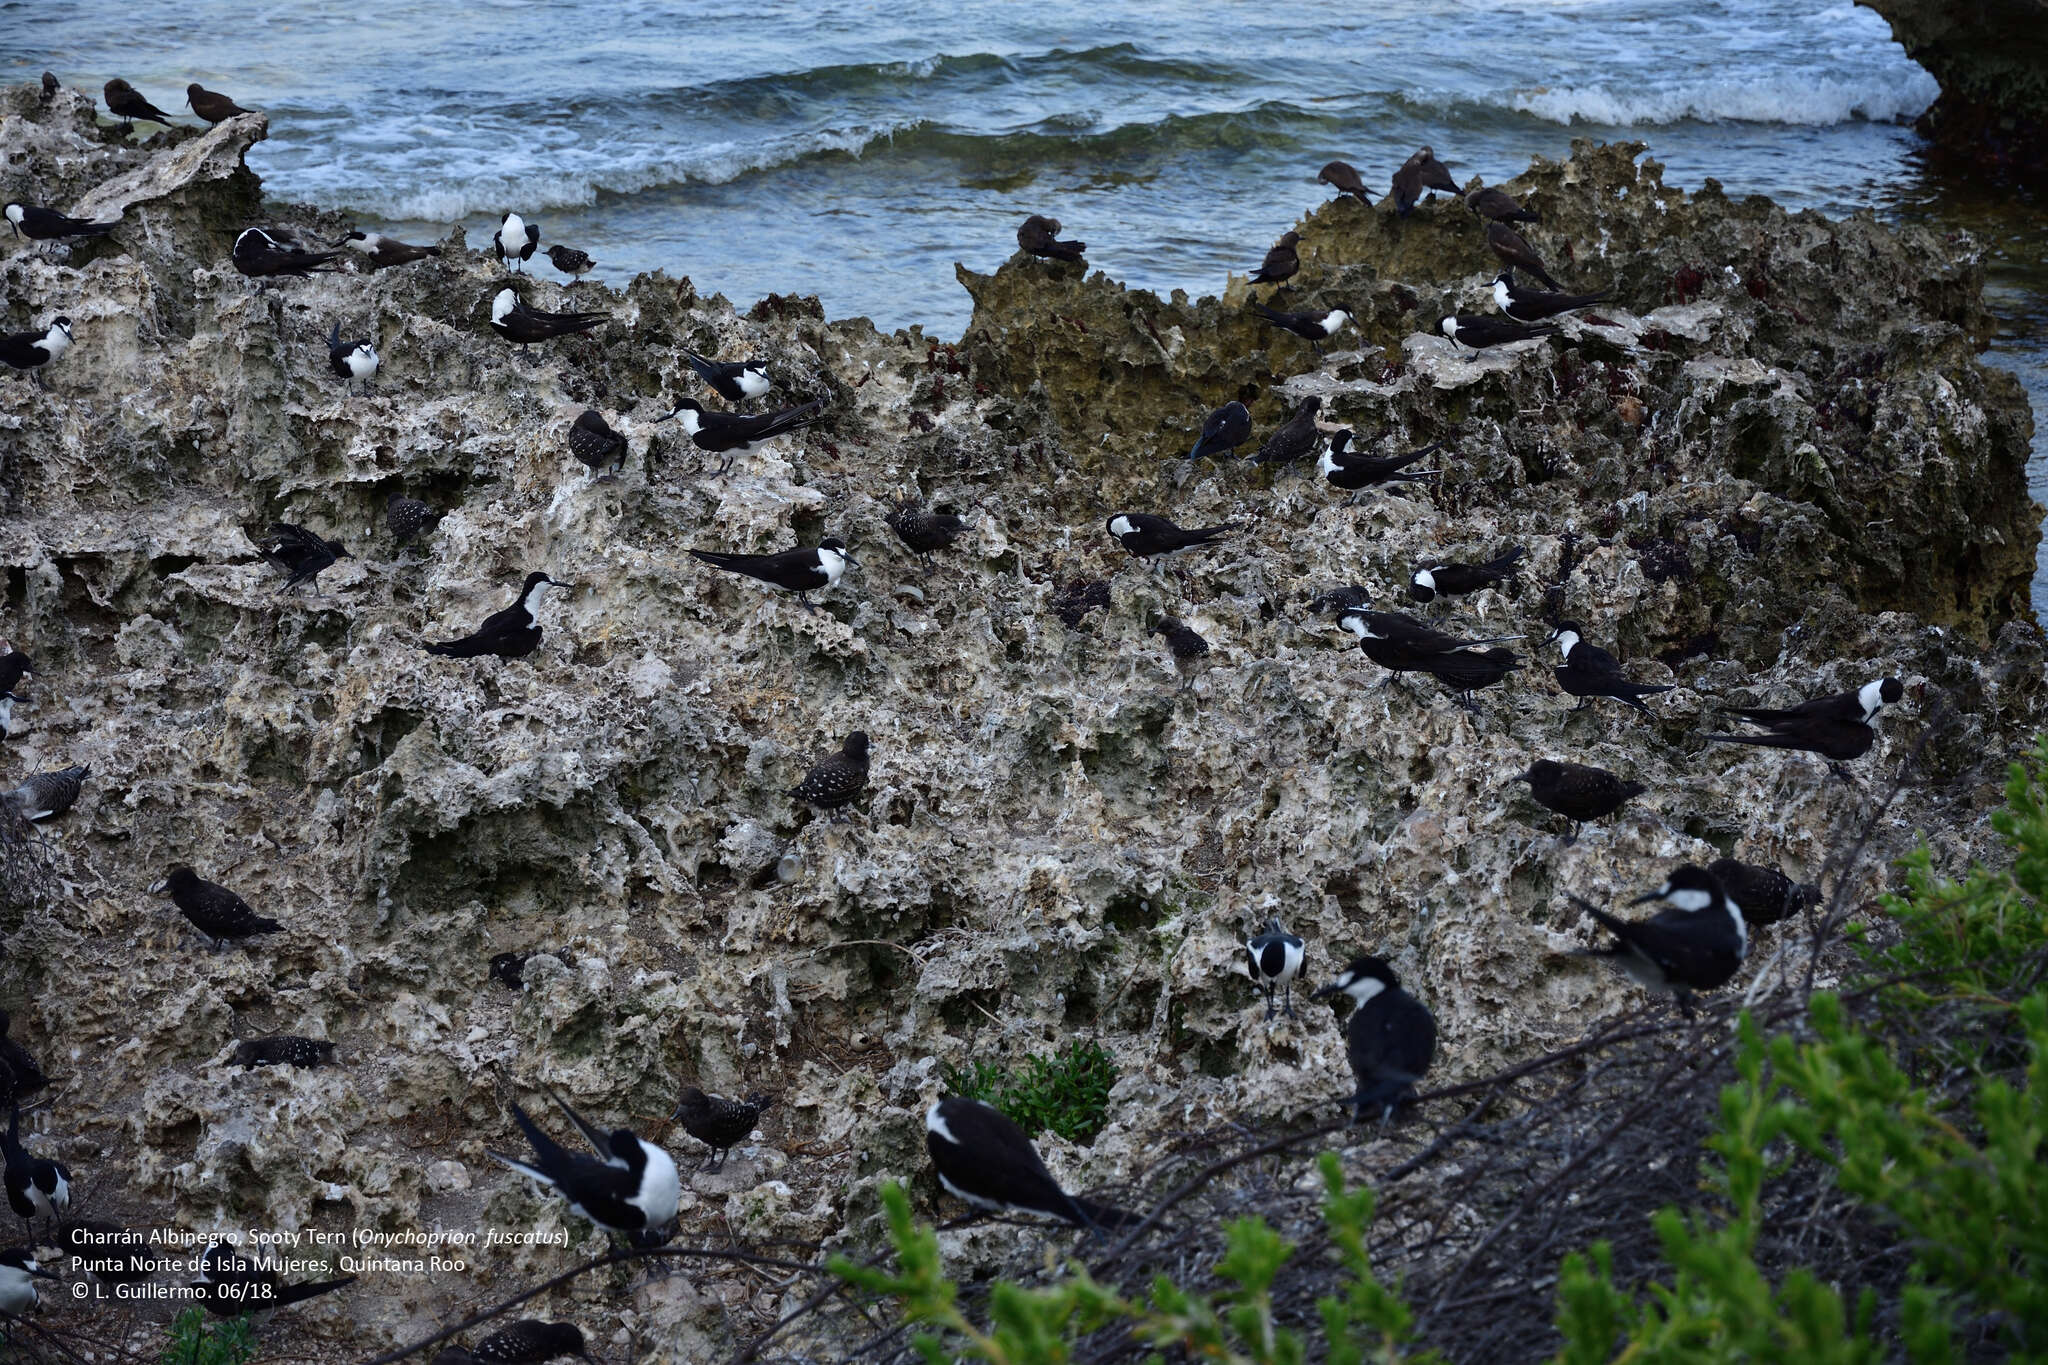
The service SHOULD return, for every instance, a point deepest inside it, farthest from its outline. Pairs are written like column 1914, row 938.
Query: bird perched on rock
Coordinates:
column 1223, row 431
column 1516, row 254
column 1295, row 439
column 732, row 435
column 283, row 1049
column 736, row 381
column 353, row 361
column 28, row 352
column 45, row 795
column 1456, row 580
column 1577, row 791
column 1355, row 471
column 406, row 517
column 1281, row 262
column 14, row 666
column 1343, row 177
column 1498, row 206
column 1190, row 651
column 230, row 1285
column 1838, row 728
column 125, row 100
column 36, row 1186
column 514, row 241
column 1314, row 328
column 299, row 555
column 1589, row 671
column 1390, row 1038
column 1764, row 895
column 629, row 1189
column 211, row 105
column 984, row 1158
column 1274, row 958
column 512, row 633
column 571, row 262
column 924, row 531
column 835, row 780
column 1146, row 536
column 263, row 256
column 116, row 1254
column 530, row 1341
column 801, row 571
column 20, row 1074
column 718, row 1123
column 1534, row 305
column 214, row 911
column 383, row 252
column 1477, row 331
column 51, row 85
column 595, row 443
column 18, row 1275
column 47, row 225
column 523, row 326
column 1402, row 644
column 1697, row 942
column 1039, row 235
column 1419, row 174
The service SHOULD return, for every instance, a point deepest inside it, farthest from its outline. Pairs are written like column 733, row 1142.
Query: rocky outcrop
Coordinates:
column 1990, row 58
column 1779, row 471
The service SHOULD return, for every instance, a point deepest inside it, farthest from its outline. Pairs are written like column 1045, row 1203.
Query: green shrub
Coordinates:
column 1067, row 1093
column 192, row 1343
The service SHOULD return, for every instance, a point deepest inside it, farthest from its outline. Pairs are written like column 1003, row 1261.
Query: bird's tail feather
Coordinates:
column 1760, row 741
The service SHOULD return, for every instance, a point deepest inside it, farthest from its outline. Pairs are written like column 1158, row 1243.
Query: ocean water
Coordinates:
column 856, row 150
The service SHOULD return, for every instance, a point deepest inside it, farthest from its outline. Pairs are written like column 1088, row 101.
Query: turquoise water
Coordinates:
column 857, row 150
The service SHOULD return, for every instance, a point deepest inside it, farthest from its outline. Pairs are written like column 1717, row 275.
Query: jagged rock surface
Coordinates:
column 1794, row 479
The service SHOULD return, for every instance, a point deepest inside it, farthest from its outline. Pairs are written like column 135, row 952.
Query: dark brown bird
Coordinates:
column 571, row 262
column 125, row 100
column 834, row 781
column 1764, row 895
column 925, row 531
column 284, row 1049
column 1281, row 262
column 1420, row 173
column 1293, row 440
column 299, row 555
column 1343, row 177
column 1517, row 254
column 50, row 86
column 1577, row 791
column 406, row 517
column 1039, row 234
column 1498, row 206
column 211, row 105
column 214, row 910
column 719, row 1124
column 594, row 443
column 1190, row 650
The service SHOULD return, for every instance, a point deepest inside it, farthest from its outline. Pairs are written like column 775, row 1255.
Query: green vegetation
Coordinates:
column 1921, row 1093
column 193, row 1343
column 1067, row 1093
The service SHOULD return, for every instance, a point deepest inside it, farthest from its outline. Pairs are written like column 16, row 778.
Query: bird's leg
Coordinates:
column 1288, row 1008
column 1269, row 1004
column 725, row 468
column 805, row 599
column 1464, row 699
column 1584, row 702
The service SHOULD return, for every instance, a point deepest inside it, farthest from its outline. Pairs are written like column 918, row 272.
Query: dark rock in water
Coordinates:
column 1990, row 58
